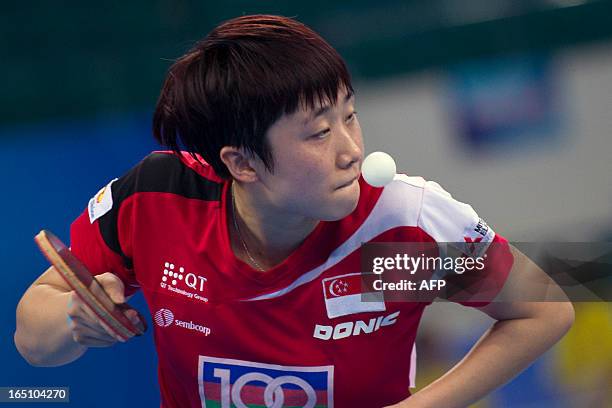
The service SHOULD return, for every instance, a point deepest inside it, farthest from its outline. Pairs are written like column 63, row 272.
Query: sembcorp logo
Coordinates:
column 165, row 317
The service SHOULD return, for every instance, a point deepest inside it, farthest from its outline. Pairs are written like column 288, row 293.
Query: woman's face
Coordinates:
column 317, row 161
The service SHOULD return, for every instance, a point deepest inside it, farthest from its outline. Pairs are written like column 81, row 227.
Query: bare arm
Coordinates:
column 523, row 331
column 43, row 336
column 54, row 327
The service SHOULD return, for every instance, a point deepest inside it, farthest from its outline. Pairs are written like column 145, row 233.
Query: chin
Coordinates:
column 343, row 205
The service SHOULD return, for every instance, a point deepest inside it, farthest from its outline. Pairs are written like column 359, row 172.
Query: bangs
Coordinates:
column 317, row 89
column 286, row 76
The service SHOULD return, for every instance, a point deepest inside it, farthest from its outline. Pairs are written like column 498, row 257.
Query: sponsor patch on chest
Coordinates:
column 230, row 383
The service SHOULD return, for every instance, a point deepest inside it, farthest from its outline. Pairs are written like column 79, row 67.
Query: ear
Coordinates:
column 238, row 163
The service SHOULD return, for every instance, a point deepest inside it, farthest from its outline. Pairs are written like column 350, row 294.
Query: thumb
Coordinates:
column 113, row 286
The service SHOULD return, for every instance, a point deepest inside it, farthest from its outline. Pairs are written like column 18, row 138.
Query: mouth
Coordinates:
column 348, row 183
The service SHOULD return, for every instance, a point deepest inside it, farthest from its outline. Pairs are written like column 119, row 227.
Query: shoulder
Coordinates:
column 415, row 201
column 402, row 198
column 416, row 185
column 448, row 219
column 398, row 204
column 168, row 162
column 167, row 172
column 426, row 196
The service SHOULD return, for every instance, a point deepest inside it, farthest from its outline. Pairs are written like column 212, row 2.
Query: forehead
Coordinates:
column 296, row 122
column 305, row 113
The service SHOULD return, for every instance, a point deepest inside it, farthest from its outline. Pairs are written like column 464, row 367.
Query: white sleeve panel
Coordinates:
column 448, row 220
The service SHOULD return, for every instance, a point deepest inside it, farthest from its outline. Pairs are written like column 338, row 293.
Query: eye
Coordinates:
column 322, row 134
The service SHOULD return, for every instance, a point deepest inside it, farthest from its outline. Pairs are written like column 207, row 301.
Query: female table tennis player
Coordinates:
column 247, row 247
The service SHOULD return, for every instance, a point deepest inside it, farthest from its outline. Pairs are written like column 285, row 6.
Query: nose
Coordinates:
column 350, row 149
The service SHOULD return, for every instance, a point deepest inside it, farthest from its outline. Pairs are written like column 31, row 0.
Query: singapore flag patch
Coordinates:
column 101, row 203
column 343, row 296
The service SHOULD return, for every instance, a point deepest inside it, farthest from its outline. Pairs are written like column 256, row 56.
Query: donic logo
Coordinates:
column 164, row 317
column 346, row 329
column 230, row 383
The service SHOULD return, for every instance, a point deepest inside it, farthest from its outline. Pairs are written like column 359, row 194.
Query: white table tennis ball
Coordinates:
column 378, row 169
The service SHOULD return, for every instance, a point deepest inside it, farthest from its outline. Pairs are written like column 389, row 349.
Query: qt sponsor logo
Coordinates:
column 176, row 279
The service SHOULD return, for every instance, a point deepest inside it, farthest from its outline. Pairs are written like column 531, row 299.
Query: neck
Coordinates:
column 269, row 234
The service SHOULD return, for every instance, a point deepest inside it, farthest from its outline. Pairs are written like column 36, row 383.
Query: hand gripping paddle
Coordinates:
column 87, row 287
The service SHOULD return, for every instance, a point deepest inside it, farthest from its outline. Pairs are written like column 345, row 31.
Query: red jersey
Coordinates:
column 229, row 335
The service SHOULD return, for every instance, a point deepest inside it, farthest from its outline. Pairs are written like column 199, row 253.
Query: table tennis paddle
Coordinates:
column 87, row 287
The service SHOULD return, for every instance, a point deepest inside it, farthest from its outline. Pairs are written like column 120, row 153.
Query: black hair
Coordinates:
column 240, row 79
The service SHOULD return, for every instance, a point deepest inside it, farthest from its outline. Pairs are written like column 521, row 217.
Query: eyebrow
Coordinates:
column 325, row 109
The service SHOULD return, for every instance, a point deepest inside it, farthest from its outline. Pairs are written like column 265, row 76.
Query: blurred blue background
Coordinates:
column 504, row 103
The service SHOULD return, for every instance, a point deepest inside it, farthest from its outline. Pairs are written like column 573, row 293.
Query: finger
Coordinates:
column 73, row 304
column 80, row 309
column 68, row 308
column 70, row 322
column 99, row 343
column 80, row 333
column 112, row 333
column 92, row 329
column 91, row 341
column 113, row 286
column 134, row 317
column 83, row 312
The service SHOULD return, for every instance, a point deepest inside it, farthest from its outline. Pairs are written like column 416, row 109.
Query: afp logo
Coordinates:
column 230, row 383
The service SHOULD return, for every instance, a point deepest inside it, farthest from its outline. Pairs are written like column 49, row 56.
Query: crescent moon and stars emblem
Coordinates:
column 338, row 287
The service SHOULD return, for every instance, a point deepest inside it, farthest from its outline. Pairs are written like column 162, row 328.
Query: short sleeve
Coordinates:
column 101, row 236
column 456, row 226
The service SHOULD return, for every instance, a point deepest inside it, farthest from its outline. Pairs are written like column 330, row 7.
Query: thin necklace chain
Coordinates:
column 253, row 261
